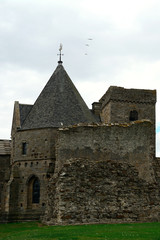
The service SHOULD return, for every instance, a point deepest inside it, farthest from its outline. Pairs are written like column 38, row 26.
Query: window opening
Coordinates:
column 133, row 115
column 36, row 191
column 24, row 148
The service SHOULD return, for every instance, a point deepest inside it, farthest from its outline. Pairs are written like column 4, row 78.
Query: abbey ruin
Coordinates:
column 67, row 164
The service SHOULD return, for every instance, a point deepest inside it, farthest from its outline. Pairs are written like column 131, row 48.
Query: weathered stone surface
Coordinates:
column 101, row 191
column 104, row 174
column 5, row 151
column 38, row 162
column 131, row 143
column 4, row 177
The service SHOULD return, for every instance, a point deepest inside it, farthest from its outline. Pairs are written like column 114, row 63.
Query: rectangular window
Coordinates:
column 24, row 148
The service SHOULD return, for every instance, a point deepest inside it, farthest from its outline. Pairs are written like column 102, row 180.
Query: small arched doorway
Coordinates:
column 33, row 192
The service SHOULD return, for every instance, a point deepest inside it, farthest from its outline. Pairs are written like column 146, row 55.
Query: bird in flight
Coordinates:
column 87, row 45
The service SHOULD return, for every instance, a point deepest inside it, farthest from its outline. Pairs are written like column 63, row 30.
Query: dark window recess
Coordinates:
column 36, row 191
column 133, row 115
column 24, row 148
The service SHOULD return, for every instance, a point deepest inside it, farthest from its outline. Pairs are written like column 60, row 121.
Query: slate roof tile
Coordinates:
column 59, row 104
column 24, row 111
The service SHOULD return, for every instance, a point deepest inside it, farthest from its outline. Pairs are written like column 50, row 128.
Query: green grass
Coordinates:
column 37, row 231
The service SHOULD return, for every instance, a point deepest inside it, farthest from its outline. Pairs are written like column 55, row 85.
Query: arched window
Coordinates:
column 36, row 191
column 133, row 115
column 33, row 191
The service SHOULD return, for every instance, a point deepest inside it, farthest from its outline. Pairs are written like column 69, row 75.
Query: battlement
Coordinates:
column 121, row 94
column 121, row 105
column 96, row 125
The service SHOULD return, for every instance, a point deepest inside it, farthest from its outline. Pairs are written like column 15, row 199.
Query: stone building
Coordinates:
column 5, row 151
column 70, row 164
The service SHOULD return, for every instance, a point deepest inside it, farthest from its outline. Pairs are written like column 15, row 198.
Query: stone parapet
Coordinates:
column 128, row 95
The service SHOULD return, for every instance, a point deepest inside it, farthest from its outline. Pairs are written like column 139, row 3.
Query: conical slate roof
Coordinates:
column 59, row 104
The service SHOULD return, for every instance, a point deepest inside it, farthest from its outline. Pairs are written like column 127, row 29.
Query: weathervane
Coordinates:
column 60, row 54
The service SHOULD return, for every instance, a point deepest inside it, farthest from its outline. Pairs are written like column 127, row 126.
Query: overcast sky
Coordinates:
column 125, row 50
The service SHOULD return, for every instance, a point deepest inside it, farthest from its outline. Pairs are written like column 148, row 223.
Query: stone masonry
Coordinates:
column 104, row 174
column 4, row 172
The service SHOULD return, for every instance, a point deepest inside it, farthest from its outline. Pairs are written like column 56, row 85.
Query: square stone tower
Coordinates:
column 119, row 105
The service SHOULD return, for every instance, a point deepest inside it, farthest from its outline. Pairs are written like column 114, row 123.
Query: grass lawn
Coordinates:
column 37, row 231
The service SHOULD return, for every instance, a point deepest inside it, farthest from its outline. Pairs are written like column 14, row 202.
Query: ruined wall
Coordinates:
column 131, row 143
column 104, row 174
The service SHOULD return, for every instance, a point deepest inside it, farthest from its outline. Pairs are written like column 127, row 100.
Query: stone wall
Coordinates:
column 121, row 94
column 116, row 111
column 157, row 170
column 117, row 103
column 37, row 162
column 40, row 144
column 104, row 174
column 4, row 177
